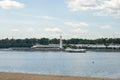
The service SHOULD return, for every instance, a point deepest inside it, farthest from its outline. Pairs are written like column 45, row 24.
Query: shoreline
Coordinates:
column 27, row 76
column 56, row 50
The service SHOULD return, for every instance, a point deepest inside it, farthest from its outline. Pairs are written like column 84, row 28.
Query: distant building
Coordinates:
column 46, row 46
column 50, row 46
column 95, row 46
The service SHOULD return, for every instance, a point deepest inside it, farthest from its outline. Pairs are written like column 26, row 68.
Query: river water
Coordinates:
column 93, row 64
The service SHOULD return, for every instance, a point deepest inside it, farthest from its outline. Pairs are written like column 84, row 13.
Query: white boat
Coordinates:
column 75, row 50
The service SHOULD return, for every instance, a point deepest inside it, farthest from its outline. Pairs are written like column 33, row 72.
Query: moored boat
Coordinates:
column 75, row 50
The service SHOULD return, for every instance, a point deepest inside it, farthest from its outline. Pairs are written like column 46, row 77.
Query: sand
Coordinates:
column 22, row 76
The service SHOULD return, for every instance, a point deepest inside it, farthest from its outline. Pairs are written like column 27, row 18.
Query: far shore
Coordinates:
column 47, row 49
column 23, row 76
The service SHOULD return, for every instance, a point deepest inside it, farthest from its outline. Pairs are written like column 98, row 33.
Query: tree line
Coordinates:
column 8, row 43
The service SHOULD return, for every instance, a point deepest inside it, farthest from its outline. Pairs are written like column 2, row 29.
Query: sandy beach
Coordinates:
column 22, row 76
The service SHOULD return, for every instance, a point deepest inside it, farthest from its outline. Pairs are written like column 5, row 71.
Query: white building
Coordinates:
column 50, row 46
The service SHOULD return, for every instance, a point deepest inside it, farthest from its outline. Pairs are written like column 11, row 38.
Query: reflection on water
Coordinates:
column 94, row 64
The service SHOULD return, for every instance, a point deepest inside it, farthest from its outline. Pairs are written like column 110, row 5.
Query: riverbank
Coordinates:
column 23, row 76
column 55, row 49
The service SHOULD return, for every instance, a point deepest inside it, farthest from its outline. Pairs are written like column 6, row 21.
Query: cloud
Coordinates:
column 110, row 7
column 30, row 29
column 78, row 30
column 46, row 17
column 76, row 5
column 8, row 4
column 14, row 30
column 36, row 16
column 53, row 30
column 105, row 27
column 74, row 24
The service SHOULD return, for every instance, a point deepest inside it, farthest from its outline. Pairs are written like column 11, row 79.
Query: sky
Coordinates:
column 87, row 19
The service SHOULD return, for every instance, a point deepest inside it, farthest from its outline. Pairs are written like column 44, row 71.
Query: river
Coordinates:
column 89, row 64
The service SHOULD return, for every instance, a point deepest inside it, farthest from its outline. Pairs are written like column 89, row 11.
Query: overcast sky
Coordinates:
column 50, row 18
